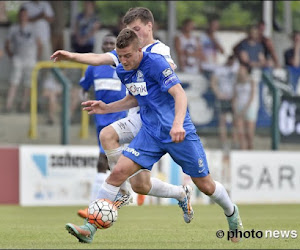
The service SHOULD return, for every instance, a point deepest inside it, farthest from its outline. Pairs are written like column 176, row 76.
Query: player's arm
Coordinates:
column 177, row 131
column 85, row 58
column 99, row 107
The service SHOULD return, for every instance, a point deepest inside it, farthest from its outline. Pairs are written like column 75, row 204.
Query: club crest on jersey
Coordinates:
column 137, row 88
column 167, row 72
column 139, row 76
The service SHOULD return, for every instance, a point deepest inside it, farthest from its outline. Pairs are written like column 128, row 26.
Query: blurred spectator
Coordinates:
column 41, row 15
column 245, row 107
column 86, row 25
column 83, row 40
column 210, row 47
column 58, row 25
column 250, row 50
column 268, row 46
column 188, row 48
column 292, row 61
column 3, row 15
column 222, row 82
column 23, row 47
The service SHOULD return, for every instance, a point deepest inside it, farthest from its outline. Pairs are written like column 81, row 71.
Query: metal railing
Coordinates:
column 32, row 133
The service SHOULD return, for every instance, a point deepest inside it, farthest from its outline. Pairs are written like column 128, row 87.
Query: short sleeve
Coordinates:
column 163, row 50
column 114, row 56
column 87, row 80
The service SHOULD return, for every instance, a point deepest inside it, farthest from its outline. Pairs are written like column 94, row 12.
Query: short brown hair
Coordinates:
column 126, row 38
column 138, row 13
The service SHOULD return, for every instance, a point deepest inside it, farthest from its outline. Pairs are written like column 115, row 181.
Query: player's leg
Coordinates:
column 102, row 168
column 109, row 190
column 217, row 192
column 110, row 142
column 100, row 177
column 143, row 183
column 191, row 157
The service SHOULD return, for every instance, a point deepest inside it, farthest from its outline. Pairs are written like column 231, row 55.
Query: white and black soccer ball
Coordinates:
column 102, row 213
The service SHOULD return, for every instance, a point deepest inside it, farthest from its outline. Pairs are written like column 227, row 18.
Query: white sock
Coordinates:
column 98, row 181
column 221, row 197
column 165, row 190
column 108, row 191
column 113, row 156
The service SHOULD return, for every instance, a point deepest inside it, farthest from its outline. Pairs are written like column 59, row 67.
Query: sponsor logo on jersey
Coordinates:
column 167, row 72
column 137, row 88
column 132, row 151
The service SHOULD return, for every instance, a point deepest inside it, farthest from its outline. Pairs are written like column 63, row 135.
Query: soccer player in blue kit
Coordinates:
column 166, row 128
column 108, row 88
column 121, row 132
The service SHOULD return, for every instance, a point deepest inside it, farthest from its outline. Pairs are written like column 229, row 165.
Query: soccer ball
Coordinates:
column 102, row 213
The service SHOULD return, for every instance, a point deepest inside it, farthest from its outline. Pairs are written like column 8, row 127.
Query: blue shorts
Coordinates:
column 145, row 150
column 99, row 128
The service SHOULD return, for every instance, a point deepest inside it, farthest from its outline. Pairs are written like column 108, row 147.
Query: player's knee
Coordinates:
column 207, row 187
column 108, row 136
column 117, row 176
column 140, row 188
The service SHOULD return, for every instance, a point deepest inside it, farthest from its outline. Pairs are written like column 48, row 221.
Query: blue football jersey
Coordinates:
column 149, row 83
column 107, row 88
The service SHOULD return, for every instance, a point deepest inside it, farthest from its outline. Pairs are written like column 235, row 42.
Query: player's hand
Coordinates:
column 61, row 55
column 177, row 133
column 95, row 107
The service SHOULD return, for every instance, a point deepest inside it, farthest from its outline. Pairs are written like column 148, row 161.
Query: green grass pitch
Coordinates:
column 146, row 227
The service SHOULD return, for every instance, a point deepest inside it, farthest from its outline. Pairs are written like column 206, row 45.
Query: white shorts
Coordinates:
column 21, row 71
column 128, row 127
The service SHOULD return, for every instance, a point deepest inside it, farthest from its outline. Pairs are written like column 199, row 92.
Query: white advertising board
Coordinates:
column 56, row 175
column 265, row 177
column 63, row 175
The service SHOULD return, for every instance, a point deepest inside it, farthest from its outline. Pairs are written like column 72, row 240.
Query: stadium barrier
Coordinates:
column 32, row 133
column 57, row 175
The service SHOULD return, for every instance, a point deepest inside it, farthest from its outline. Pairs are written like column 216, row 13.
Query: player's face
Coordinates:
column 143, row 31
column 130, row 57
column 108, row 44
